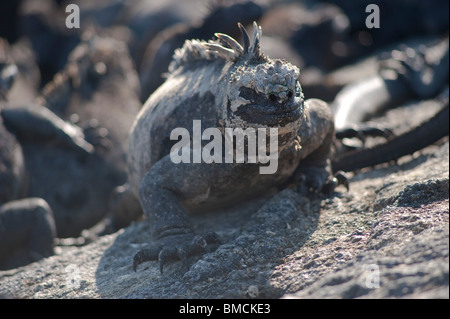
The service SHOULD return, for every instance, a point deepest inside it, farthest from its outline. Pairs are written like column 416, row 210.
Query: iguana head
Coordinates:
column 262, row 91
column 98, row 60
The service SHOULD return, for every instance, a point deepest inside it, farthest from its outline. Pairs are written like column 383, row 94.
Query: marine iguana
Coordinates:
column 419, row 73
column 413, row 140
column 76, row 166
column 226, row 85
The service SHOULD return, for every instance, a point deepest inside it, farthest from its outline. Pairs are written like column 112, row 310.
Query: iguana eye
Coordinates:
column 289, row 94
column 247, row 93
column 272, row 97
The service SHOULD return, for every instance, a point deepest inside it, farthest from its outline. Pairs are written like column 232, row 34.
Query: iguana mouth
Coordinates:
column 268, row 110
column 272, row 114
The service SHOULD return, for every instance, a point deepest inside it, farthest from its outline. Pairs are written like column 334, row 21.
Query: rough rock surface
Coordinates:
column 388, row 237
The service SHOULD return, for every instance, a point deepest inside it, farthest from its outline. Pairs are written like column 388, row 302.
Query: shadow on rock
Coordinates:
column 256, row 237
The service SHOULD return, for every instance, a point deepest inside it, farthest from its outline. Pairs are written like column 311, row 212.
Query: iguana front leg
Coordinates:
column 314, row 174
column 163, row 189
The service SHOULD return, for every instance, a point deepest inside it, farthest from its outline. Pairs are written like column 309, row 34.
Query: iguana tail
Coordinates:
column 419, row 137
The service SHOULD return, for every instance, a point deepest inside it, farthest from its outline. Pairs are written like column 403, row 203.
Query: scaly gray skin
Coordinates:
column 412, row 73
column 225, row 86
column 7, row 74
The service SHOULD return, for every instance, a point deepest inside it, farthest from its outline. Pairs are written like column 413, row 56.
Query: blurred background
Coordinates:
column 319, row 36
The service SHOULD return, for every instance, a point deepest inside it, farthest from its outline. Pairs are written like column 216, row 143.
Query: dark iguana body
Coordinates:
column 417, row 138
column 406, row 75
column 225, row 87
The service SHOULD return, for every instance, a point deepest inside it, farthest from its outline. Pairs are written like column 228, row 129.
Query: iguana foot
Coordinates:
column 311, row 180
column 177, row 247
column 360, row 133
column 317, row 181
column 339, row 178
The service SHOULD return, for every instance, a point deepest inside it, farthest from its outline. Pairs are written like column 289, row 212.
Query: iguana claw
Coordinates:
column 176, row 247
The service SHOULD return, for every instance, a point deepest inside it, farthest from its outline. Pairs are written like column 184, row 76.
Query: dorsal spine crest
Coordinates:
column 225, row 48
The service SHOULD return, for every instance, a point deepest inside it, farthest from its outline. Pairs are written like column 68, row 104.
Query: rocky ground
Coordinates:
column 388, row 237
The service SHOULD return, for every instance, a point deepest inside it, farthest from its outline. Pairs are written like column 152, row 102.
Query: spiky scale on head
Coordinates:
column 250, row 50
column 232, row 43
column 225, row 48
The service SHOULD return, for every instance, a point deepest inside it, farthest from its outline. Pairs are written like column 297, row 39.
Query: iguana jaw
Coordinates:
column 271, row 114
